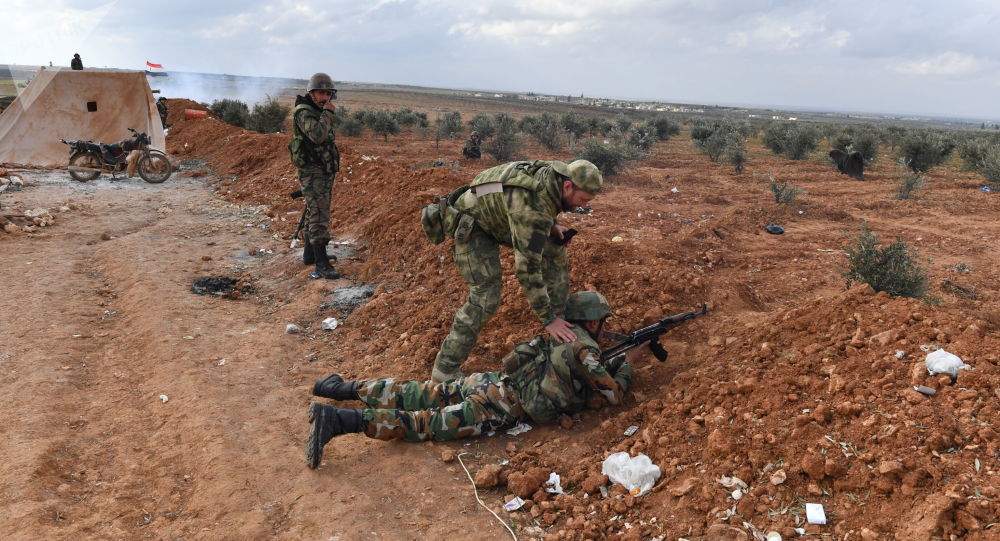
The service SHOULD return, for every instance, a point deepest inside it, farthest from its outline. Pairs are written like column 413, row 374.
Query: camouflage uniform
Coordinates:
column 546, row 380
column 318, row 163
column 521, row 216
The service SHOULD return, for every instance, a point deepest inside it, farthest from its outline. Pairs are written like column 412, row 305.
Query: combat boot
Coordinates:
column 308, row 257
column 323, row 267
column 327, row 423
column 334, row 386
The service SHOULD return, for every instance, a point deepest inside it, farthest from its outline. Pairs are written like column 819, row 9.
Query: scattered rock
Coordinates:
column 814, row 466
column 778, row 477
column 447, row 456
column 487, row 476
column 725, row 532
column 292, row 328
column 527, row 483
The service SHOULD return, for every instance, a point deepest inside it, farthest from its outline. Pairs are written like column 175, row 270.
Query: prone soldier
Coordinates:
column 540, row 381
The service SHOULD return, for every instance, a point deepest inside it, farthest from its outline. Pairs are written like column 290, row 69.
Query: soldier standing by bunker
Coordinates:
column 515, row 205
column 315, row 154
column 540, row 381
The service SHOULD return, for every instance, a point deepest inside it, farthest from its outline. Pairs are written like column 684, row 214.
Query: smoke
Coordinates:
column 209, row 87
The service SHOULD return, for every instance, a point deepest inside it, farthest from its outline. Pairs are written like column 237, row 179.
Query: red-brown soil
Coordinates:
column 789, row 371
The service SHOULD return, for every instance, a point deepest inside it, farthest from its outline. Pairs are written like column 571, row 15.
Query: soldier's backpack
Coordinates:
column 442, row 219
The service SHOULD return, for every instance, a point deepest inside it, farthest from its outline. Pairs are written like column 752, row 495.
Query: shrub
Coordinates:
column 546, row 130
column 925, row 149
column 973, row 151
column 784, row 192
column 794, row 141
column 484, row 125
column 775, row 135
column 642, row 137
column 735, row 153
column 505, row 143
column 864, row 140
column 382, row 122
column 351, row 126
column 233, row 112
column 665, row 128
column 574, row 124
column 891, row 269
column 908, row 183
column 989, row 165
column 268, row 117
column 802, row 140
column 448, row 125
column 724, row 138
column 623, row 123
column 408, row 117
column 612, row 157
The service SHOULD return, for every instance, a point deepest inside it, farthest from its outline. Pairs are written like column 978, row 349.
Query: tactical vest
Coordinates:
column 305, row 153
column 486, row 202
column 543, row 379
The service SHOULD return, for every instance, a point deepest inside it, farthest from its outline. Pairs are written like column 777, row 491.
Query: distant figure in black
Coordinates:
column 471, row 149
column 851, row 164
column 161, row 108
column 76, row 63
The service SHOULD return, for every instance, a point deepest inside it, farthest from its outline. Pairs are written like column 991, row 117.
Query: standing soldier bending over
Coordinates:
column 540, row 381
column 515, row 205
column 315, row 154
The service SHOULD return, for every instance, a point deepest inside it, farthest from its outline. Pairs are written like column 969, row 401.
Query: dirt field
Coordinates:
column 135, row 409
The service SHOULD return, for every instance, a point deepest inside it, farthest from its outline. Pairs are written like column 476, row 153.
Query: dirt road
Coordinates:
column 132, row 408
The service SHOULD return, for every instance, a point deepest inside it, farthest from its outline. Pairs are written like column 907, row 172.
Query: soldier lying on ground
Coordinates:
column 541, row 380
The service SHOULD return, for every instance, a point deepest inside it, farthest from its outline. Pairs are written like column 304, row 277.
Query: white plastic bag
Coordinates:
column 942, row 362
column 637, row 474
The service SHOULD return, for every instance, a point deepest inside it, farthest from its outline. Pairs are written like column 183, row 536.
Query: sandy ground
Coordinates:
column 789, row 372
column 96, row 332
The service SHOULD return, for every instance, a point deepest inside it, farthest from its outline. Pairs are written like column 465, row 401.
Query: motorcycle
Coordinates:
column 87, row 159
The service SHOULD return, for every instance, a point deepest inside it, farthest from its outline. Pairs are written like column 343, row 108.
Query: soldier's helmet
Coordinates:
column 474, row 134
column 582, row 174
column 321, row 81
column 587, row 306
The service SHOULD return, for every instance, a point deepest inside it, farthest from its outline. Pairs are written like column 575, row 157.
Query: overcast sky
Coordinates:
column 889, row 56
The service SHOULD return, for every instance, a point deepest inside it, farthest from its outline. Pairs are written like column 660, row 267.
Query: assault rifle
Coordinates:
column 652, row 335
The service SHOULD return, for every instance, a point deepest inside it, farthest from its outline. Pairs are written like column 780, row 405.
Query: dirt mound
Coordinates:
column 176, row 107
column 791, row 384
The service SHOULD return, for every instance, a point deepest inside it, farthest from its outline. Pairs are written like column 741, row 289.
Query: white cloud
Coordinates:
column 535, row 32
column 948, row 64
column 775, row 35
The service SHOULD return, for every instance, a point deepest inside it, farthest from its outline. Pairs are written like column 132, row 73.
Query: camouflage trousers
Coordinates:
column 317, row 191
column 421, row 411
column 478, row 261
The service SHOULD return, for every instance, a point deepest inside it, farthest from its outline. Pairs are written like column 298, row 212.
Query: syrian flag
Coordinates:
column 154, row 69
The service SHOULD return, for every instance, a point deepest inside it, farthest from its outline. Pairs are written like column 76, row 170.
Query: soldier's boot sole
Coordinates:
column 325, row 425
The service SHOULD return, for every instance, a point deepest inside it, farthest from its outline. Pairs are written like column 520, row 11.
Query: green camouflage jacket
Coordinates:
column 313, row 139
column 551, row 379
column 521, row 215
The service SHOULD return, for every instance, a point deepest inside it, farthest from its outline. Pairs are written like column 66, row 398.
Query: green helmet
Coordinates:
column 582, row 174
column 587, row 306
column 320, row 81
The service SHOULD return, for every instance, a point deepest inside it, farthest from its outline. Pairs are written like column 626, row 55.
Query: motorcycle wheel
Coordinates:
column 154, row 168
column 88, row 160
